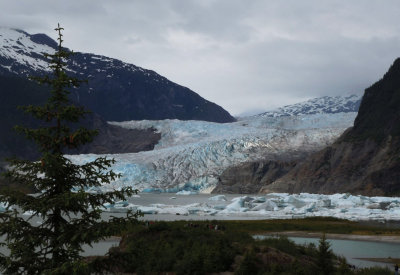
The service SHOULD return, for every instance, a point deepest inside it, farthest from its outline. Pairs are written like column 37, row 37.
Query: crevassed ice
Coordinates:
column 192, row 154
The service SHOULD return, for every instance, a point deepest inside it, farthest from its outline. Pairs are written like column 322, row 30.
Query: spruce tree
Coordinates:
column 325, row 257
column 69, row 216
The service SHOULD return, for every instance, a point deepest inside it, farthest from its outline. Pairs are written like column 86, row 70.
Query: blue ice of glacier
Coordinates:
column 3, row 207
column 192, row 154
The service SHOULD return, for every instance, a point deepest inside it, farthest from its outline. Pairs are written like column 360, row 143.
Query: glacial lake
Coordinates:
column 355, row 249
column 173, row 206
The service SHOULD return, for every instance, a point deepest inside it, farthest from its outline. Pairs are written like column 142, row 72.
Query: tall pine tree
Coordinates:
column 68, row 216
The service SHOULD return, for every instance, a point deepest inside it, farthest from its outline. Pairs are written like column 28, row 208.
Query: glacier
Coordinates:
column 192, row 154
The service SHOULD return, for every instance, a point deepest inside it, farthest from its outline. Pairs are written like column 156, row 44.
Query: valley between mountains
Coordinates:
column 166, row 138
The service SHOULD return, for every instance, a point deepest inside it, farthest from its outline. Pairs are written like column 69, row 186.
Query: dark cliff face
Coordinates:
column 17, row 91
column 359, row 168
column 248, row 178
column 379, row 113
column 366, row 158
column 113, row 139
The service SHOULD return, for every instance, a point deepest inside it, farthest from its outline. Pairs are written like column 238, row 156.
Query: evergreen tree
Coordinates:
column 325, row 256
column 69, row 217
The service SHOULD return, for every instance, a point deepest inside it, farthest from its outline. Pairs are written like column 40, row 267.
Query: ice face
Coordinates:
column 192, row 154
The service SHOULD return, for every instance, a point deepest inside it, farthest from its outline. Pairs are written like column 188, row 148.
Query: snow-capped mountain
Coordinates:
column 320, row 105
column 117, row 90
column 22, row 54
column 191, row 154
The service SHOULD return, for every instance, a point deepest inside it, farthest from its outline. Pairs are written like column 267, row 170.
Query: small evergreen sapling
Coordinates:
column 69, row 216
column 325, row 257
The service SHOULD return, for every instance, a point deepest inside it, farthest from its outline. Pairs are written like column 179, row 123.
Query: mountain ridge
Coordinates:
column 319, row 105
column 21, row 92
column 118, row 91
column 365, row 159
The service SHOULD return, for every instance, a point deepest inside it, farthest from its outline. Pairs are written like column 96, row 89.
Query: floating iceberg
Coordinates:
column 3, row 207
column 271, row 206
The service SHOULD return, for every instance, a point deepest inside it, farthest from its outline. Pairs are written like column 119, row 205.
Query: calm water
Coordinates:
column 99, row 249
column 356, row 249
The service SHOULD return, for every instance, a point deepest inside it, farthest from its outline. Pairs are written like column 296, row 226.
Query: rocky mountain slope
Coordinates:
column 117, row 91
column 16, row 92
column 250, row 177
column 320, row 105
column 366, row 158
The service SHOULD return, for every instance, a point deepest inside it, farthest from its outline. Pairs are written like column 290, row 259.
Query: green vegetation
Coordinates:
column 200, row 249
column 186, row 248
column 315, row 224
column 70, row 216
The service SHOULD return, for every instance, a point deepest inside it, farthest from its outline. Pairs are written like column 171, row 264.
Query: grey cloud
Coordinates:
column 243, row 55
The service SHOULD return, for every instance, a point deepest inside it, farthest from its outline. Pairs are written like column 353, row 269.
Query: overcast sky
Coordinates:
column 247, row 56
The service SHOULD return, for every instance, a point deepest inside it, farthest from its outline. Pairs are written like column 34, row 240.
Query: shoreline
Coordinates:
column 381, row 260
column 353, row 237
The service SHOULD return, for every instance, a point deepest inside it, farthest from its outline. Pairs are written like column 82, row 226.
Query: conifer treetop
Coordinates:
column 69, row 217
